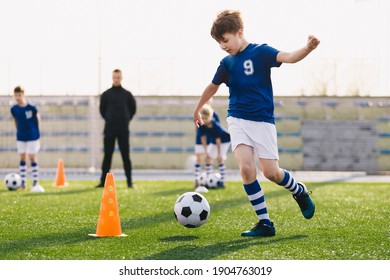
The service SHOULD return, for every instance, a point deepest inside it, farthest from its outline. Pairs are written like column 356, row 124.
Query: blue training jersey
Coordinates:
column 26, row 122
column 198, row 141
column 248, row 76
column 214, row 132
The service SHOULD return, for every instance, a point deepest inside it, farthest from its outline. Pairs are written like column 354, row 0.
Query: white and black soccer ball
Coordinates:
column 192, row 209
column 213, row 179
column 13, row 181
column 202, row 179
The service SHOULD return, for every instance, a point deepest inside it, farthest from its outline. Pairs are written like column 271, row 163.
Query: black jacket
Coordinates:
column 117, row 107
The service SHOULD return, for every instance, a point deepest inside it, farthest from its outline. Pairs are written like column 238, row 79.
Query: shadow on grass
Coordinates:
column 11, row 247
column 212, row 251
column 62, row 192
column 179, row 238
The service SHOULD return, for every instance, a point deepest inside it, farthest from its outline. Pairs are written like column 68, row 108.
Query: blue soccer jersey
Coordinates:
column 248, row 76
column 26, row 122
column 198, row 141
column 214, row 132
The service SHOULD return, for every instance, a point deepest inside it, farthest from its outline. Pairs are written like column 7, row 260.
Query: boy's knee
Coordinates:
column 248, row 172
column 272, row 175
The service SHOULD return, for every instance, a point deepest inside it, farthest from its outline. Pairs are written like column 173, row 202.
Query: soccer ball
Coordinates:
column 213, row 179
column 12, row 181
column 191, row 209
column 202, row 179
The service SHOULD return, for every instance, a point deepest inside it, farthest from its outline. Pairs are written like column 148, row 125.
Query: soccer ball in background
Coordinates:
column 13, row 181
column 213, row 179
column 191, row 209
column 202, row 179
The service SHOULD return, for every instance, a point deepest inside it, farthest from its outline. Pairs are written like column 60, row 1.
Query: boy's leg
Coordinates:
column 274, row 173
column 199, row 151
column 197, row 169
column 221, row 162
column 209, row 166
column 23, row 169
column 32, row 150
column 211, row 149
column 245, row 159
column 221, row 170
column 283, row 178
column 34, row 169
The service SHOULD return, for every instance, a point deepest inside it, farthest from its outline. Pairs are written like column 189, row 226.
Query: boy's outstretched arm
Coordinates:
column 295, row 56
column 209, row 92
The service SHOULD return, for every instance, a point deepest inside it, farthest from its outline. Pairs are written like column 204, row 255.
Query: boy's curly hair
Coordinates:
column 227, row 21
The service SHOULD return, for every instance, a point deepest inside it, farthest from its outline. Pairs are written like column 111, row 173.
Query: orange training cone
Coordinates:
column 60, row 175
column 109, row 223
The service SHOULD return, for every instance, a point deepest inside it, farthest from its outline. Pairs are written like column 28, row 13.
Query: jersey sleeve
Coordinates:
column 12, row 111
column 270, row 53
column 216, row 117
column 221, row 76
column 34, row 109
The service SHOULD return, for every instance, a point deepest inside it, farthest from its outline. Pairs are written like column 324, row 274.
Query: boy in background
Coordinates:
column 27, row 123
column 200, row 151
column 219, row 141
column 247, row 72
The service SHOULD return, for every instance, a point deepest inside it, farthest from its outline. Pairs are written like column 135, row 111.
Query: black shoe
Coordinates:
column 261, row 230
column 220, row 185
column 100, row 185
column 305, row 202
column 131, row 186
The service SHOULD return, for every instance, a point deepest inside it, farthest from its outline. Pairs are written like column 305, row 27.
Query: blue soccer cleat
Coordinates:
column 305, row 202
column 261, row 230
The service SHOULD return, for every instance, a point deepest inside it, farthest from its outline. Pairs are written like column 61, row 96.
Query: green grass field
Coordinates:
column 351, row 222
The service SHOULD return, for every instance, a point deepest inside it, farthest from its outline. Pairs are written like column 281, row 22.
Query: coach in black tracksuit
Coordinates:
column 117, row 107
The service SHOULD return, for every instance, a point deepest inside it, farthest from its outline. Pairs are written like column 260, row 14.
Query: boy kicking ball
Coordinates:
column 27, row 121
column 247, row 73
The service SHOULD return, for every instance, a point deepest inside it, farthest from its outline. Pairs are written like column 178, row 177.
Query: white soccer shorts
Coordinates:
column 199, row 149
column 259, row 135
column 212, row 150
column 28, row 147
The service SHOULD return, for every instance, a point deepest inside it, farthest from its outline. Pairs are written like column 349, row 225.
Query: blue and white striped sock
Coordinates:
column 35, row 172
column 22, row 172
column 209, row 168
column 256, row 197
column 221, row 170
column 196, row 171
column 289, row 183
